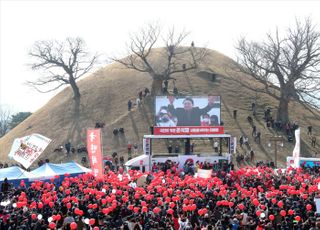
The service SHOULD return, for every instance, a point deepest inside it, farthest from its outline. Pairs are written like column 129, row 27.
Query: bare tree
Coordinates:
column 174, row 59
column 288, row 67
column 5, row 119
column 63, row 62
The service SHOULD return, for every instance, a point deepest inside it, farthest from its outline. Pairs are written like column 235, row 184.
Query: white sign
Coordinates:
column 202, row 173
column 27, row 149
column 317, row 202
column 296, row 150
column 146, row 146
column 233, row 145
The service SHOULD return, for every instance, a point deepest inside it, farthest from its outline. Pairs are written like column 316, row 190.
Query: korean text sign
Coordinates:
column 94, row 151
column 27, row 149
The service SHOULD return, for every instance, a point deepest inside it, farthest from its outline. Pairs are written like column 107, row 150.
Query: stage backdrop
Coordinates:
column 187, row 115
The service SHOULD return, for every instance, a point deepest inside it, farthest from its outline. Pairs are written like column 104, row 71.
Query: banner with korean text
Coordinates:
column 27, row 149
column 188, row 130
column 94, row 151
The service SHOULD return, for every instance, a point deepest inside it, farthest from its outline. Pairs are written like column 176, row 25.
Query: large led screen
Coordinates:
column 171, row 111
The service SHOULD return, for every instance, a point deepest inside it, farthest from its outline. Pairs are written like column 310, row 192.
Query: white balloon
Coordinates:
column 14, row 205
column 86, row 221
column 262, row 215
column 104, row 190
column 39, row 217
column 50, row 219
column 113, row 191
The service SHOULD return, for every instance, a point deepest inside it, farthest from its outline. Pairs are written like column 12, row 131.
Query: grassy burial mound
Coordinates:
column 104, row 97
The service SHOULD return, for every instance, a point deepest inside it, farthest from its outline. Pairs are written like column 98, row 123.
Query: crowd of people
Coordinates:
column 249, row 198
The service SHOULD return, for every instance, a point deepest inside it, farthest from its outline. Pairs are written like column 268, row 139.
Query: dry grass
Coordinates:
column 104, row 97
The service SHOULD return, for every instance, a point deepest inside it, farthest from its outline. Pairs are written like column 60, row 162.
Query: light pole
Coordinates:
column 276, row 140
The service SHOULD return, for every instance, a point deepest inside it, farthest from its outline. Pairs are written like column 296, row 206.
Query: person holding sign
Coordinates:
column 189, row 115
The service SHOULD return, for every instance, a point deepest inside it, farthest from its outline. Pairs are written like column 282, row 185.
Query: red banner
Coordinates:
column 188, row 130
column 94, row 151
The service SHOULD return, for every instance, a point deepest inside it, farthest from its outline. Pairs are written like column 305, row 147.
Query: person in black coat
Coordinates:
column 5, row 186
column 189, row 115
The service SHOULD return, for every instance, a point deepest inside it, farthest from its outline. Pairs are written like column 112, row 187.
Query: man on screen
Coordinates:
column 189, row 115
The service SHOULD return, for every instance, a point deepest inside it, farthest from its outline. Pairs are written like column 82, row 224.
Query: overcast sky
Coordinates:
column 105, row 26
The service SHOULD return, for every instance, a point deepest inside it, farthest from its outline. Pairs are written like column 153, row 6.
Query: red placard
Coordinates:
column 94, row 151
column 188, row 130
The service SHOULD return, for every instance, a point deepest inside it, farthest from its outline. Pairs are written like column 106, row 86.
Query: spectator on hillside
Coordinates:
column 288, row 128
column 191, row 148
column 114, row 154
column 184, row 66
column 73, row 150
column 241, row 141
column 166, row 84
column 258, row 137
column 121, row 160
column 254, row 131
column 116, row 161
column 290, row 138
column 129, row 147
column 135, row 149
column 115, row 131
column 99, row 125
column 216, row 146
column 146, row 92
column 252, row 156
column 313, row 141
column 253, row 106
column 121, row 130
column 235, row 114
column 309, row 130
column 68, row 147
column 140, row 95
column 129, row 105
column 175, row 90
column 138, row 101
column 84, row 160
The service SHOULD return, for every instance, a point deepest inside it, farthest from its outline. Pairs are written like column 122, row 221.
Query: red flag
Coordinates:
column 94, row 151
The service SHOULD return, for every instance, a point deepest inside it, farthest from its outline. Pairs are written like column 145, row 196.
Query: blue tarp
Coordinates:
column 14, row 175
column 45, row 172
column 49, row 170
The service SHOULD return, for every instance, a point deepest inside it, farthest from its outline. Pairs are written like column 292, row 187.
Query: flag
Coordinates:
column 296, row 150
column 94, row 151
column 27, row 149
